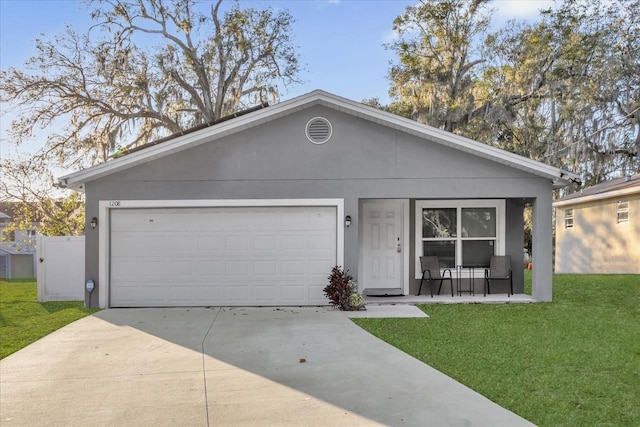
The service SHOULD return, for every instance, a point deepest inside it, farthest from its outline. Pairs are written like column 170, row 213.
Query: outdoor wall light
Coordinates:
column 94, row 222
column 347, row 220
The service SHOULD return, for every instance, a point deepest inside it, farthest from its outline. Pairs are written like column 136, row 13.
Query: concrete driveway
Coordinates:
column 230, row 367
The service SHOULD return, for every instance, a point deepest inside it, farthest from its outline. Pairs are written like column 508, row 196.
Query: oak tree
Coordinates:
column 146, row 69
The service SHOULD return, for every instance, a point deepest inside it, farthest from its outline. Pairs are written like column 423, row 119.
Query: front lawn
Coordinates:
column 24, row 320
column 572, row 362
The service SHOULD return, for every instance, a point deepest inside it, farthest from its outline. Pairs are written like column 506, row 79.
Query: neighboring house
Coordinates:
column 256, row 209
column 16, row 264
column 4, row 221
column 17, row 248
column 598, row 229
column 18, row 239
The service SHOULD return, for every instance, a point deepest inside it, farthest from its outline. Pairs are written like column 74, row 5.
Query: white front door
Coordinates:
column 383, row 242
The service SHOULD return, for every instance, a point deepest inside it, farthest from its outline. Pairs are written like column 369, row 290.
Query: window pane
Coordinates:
column 623, row 211
column 445, row 251
column 478, row 222
column 439, row 223
column 568, row 218
column 477, row 253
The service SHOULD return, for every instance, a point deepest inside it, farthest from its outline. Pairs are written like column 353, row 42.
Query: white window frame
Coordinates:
column 499, row 206
column 569, row 216
column 622, row 207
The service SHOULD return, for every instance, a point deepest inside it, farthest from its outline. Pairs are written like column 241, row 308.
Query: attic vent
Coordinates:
column 318, row 130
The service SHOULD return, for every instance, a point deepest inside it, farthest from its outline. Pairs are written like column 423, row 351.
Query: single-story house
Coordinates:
column 598, row 229
column 257, row 208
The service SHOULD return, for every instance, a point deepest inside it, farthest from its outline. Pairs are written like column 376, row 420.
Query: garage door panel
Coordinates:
column 293, row 267
column 210, row 242
column 237, row 220
column 322, row 221
column 237, row 243
column 213, row 269
column 293, row 293
column 265, row 242
column 265, row 294
column 153, row 295
column 127, row 244
column 239, row 292
column 151, row 270
column 298, row 219
column 128, row 296
column 238, row 268
column 321, row 266
column 127, row 269
column 316, row 292
column 265, row 220
column 293, row 242
column 210, row 295
column 263, row 268
column 178, row 269
column 320, row 241
column 181, row 294
column 210, row 220
column 221, row 256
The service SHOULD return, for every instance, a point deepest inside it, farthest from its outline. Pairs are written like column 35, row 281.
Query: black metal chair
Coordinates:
column 499, row 270
column 431, row 273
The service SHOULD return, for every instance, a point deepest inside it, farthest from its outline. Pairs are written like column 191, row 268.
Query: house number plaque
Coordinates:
column 114, row 203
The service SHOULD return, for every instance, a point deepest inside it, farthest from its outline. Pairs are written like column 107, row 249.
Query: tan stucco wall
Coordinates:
column 597, row 244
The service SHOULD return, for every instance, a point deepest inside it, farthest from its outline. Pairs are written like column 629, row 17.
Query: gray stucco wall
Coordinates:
column 362, row 160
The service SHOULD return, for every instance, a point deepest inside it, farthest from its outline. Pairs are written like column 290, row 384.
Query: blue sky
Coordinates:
column 340, row 41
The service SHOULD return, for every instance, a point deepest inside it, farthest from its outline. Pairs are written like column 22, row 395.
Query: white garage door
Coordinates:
column 221, row 256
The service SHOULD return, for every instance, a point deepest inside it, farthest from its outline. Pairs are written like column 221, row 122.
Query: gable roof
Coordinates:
column 191, row 130
column 76, row 181
column 605, row 190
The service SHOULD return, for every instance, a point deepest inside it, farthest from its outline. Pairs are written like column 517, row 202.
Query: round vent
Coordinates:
column 318, row 130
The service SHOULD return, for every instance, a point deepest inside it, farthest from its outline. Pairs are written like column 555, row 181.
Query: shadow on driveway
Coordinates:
column 230, row 366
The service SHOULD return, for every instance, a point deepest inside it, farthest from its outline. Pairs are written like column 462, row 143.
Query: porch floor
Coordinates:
column 448, row 299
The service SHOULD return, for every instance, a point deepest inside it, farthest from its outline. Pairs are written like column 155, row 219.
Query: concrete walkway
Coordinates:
column 229, row 367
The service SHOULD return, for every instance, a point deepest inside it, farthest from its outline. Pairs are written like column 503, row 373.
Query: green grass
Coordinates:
column 23, row 320
column 572, row 362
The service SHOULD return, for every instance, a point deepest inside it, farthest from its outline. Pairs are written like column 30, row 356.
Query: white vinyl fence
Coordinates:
column 60, row 272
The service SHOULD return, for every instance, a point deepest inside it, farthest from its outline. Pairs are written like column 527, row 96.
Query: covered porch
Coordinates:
column 464, row 234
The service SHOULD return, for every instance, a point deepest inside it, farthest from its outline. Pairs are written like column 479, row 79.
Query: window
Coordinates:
column 568, row 218
column 622, row 211
column 459, row 232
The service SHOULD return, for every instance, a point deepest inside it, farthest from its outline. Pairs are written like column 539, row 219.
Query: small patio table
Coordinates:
column 459, row 270
column 472, row 278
